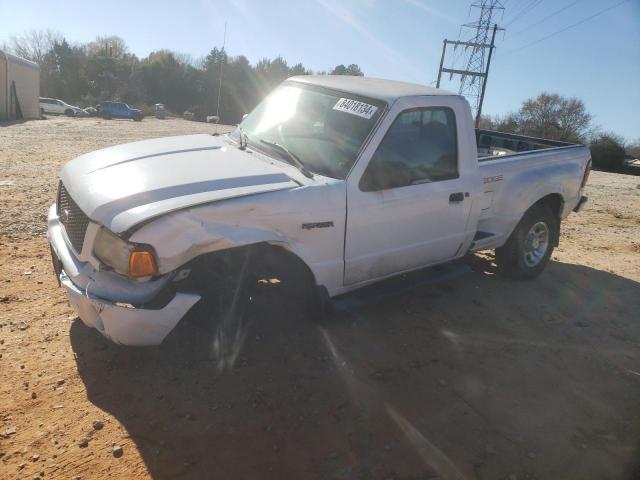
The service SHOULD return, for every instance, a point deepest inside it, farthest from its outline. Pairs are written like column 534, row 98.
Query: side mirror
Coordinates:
column 245, row 116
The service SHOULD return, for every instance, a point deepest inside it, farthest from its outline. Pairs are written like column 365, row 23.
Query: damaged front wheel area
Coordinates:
column 218, row 325
column 231, row 327
column 242, row 289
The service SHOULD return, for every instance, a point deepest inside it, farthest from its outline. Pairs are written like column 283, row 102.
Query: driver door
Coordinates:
column 408, row 206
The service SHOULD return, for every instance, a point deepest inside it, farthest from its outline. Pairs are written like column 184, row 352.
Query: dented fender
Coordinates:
column 180, row 238
column 312, row 228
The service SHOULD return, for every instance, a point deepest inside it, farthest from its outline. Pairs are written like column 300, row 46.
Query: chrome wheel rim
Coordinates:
column 536, row 244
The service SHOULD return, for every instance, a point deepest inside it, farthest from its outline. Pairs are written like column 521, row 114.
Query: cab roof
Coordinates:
column 378, row 88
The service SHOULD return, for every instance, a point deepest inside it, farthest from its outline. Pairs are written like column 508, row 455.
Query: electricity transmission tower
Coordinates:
column 473, row 78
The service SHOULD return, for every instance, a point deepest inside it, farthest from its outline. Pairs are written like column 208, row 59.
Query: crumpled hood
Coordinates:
column 124, row 185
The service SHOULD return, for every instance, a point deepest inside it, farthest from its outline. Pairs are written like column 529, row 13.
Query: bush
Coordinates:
column 608, row 152
column 633, row 150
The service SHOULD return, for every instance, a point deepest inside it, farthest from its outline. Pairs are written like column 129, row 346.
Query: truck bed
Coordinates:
column 516, row 171
column 492, row 144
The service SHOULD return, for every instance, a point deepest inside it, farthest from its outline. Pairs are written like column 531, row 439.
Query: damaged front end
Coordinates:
column 127, row 311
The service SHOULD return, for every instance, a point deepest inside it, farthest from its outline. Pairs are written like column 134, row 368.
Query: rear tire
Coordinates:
column 529, row 248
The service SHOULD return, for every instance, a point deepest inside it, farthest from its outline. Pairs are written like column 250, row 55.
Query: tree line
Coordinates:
column 105, row 69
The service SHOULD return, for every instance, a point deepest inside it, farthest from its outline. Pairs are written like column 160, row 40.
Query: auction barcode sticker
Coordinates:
column 355, row 107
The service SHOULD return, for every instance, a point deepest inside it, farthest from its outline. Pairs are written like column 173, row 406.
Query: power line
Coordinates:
column 557, row 32
column 540, row 21
column 547, row 18
column 530, row 6
column 517, row 4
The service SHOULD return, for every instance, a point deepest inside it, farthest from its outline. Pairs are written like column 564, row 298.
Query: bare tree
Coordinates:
column 188, row 59
column 486, row 122
column 550, row 115
column 111, row 46
column 34, row 45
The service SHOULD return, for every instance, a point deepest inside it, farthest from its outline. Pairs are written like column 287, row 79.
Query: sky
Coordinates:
column 597, row 61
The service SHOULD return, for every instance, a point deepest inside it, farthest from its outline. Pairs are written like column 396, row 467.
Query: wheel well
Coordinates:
column 277, row 259
column 259, row 261
column 554, row 202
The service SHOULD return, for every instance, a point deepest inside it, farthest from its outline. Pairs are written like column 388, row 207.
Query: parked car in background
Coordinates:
column 109, row 110
column 58, row 107
column 197, row 113
column 90, row 111
column 160, row 111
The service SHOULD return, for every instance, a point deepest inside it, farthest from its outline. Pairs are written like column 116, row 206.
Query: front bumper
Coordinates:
column 112, row 311
column 124, row 325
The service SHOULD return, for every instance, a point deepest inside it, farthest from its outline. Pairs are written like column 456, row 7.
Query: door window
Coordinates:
column 421, row 146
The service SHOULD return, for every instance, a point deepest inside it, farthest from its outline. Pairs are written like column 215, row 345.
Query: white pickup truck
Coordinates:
column 329, row 184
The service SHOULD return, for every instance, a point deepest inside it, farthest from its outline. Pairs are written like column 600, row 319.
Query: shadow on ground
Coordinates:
column 458, row 374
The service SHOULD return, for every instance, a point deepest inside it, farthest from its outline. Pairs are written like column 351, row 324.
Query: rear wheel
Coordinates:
column 529, row 248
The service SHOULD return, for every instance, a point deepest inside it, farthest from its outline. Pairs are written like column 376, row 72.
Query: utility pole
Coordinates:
column 106, row 65
column 473, row 77
column 486, row 75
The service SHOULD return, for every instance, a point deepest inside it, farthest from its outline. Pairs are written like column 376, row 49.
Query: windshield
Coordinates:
column 322, row 128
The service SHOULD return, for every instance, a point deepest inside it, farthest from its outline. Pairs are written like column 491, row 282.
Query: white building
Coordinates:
column 19, row 88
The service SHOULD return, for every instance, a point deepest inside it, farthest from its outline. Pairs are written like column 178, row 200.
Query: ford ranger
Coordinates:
column 329, row 184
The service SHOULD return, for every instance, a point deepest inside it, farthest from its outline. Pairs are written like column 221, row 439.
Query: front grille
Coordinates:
column 74, row 220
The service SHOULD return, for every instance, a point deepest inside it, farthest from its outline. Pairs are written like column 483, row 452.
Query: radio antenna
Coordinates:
column 224, row 43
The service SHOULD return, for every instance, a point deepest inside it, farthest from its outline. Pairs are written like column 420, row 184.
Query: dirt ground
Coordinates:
column 454, row 372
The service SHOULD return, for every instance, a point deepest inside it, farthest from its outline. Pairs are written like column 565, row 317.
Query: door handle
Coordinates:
column 456, row 197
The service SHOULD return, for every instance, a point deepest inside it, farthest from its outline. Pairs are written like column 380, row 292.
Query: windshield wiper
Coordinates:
column 294, row 160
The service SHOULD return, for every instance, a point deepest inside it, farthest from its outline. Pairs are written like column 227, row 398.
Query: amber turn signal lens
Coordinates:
column 142, row 264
